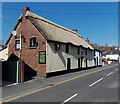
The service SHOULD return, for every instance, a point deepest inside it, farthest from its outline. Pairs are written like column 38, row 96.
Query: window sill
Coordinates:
column 17, row 49
column 32, row 47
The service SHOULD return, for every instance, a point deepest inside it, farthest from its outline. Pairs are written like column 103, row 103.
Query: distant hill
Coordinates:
column 105, row 48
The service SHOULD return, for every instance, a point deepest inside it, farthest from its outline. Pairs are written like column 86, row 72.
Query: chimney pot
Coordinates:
column 87, row 40
column 75, row 30
column 25, row 9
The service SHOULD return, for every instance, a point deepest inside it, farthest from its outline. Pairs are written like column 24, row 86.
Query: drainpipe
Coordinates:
column 21, row 64
column 20, row 59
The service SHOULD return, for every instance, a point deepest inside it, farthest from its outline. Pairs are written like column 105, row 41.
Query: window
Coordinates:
column 78, row 50
column 17, row 44
column 94, row 52
column 33, row 42
column 67, row 48
column 86, row 51
column 86, row 63
column 99, row 54
column 78, row 62
column 82, row 53
column 57, row 46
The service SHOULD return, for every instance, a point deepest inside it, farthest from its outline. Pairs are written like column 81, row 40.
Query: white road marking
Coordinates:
column 109, row 74
column 95, row 82
column 116, row 69
column 69, row 98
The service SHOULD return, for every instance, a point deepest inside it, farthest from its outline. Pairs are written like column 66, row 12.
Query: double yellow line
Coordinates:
column 58, row 83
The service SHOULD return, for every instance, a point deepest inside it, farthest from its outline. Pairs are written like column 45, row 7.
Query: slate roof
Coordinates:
column 95, row 47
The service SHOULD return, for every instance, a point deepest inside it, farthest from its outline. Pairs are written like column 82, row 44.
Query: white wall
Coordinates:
column 57, row 60
column 99, row 55
column 4, row 54
column 112, row 56
column 90, row 57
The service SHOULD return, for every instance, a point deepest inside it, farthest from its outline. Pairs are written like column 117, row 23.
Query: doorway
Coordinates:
column 82, row 62
column 97, row 61
column 78, row 62
column 94, row 61
column 86, row 63
column 12, row 72
column 68, row 63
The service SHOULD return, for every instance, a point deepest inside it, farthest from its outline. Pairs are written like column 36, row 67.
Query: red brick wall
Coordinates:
column 29, row 56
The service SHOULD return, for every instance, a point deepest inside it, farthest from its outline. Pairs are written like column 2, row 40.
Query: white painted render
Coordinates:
column 4, row 54
column 98, row 55
column 113, row 56
column 56, row 60
column 90, row 57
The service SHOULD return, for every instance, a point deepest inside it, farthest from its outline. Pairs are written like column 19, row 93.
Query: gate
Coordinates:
column 12, row 71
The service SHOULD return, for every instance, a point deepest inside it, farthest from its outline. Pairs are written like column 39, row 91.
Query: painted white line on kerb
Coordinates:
column 116, row 69
column 69, row 98
column 96, row 82
column 12, row 84
column 109, row 74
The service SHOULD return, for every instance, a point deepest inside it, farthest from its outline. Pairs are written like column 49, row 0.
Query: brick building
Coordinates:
column 40, row 46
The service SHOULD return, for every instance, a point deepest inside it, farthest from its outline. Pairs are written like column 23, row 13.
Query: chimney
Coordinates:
column 25, row 9
column 87, row 40
column 75, row 30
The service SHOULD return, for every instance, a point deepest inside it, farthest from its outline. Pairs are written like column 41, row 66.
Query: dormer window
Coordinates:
column 86, row 51
column 67, row 48
column 78, row 50
column 57, row 46
column 82, row 53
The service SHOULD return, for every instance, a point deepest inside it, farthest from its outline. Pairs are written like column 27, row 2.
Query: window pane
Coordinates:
column 18, row 41
column 33, row 42
column 17, row 44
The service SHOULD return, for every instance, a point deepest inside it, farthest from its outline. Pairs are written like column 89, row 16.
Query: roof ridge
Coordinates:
column 28, row 13
column 42, row 23
column 75, row 40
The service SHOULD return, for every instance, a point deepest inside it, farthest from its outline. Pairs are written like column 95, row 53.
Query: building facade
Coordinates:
column 4, row 54
column 75, row 57
column 112, row 58
column 97, row 58
column 40, row 46
column 97, row 55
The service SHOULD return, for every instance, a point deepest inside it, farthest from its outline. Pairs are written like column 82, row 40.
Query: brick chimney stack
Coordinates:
column 87, row 40
column 25, row 9
column 75, row 30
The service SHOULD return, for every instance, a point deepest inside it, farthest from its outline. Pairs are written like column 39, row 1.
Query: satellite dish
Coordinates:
column 14, row 33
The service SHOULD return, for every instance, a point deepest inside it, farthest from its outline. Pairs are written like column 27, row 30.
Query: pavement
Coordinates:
column 6, row 83
column 77, row 84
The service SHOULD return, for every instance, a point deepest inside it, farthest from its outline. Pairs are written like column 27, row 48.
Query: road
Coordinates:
column 99, row 86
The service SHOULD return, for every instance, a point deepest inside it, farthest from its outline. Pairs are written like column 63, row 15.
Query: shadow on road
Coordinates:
column 58, row 73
